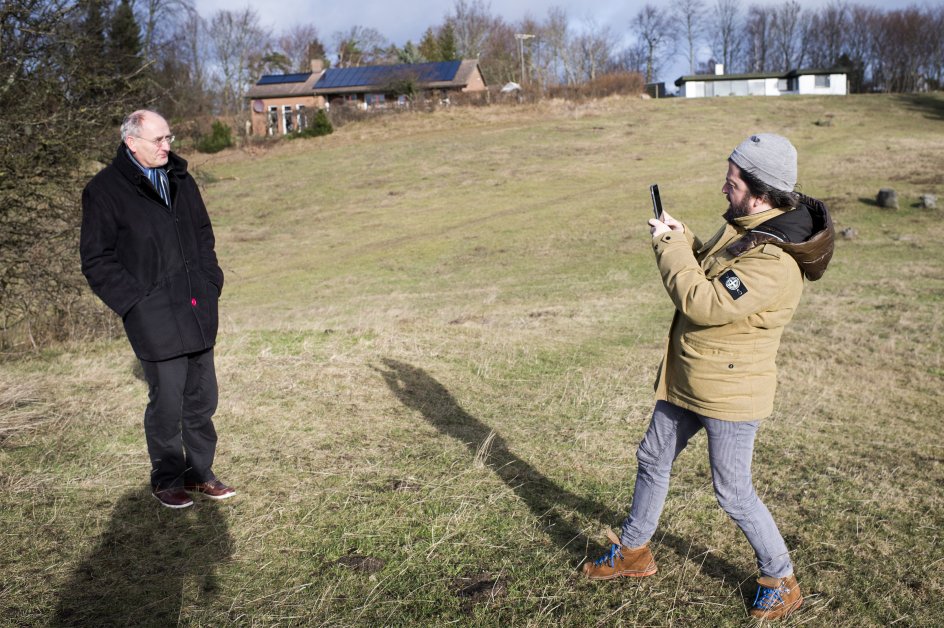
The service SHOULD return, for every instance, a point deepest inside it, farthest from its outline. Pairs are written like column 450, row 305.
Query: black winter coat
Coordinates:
column 155, row 267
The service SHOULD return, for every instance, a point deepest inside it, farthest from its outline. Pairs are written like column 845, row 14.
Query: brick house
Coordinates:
column 283, row 103
column 380, row 86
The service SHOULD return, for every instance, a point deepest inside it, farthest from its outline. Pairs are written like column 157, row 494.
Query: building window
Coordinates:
column 374, row 100
column 783, row 85
column 272, row 121
column 822, row 80
column 302, row 117
column 288, row 119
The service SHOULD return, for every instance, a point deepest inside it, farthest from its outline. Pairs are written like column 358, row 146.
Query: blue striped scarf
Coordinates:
column 158, row 177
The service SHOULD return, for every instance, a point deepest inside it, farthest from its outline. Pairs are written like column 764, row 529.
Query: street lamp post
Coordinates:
column 521, row 37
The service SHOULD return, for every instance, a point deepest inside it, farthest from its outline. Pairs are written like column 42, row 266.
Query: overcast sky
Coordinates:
column 403, row 20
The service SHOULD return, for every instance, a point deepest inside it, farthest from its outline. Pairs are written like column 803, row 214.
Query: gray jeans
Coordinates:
column 730, row 449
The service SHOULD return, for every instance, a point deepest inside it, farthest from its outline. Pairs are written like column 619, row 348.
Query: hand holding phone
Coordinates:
column 656, row 201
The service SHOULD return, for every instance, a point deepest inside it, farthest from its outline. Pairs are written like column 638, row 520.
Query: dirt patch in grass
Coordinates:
column 481, row 588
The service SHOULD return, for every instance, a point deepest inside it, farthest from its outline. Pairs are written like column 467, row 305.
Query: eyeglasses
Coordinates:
column 167, row 138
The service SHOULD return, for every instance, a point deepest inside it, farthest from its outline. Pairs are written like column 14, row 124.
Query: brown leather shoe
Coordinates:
column 632, row 562
column 776, row 597
column 214, row 489
column 172, row 497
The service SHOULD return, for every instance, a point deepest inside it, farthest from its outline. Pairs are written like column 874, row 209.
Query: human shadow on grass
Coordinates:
column 145, row 563
column 547, row 501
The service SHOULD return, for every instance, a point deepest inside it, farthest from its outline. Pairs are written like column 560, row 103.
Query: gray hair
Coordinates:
column 132, row 124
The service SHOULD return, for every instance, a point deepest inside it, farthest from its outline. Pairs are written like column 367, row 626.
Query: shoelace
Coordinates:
column 768, row 598
column 610, row 556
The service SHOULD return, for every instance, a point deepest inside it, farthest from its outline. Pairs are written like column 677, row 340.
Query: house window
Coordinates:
column 302, row 117
column 272, row 121
column 288, row 119
column 783, row 85
column 374, row 100
column 822, row 80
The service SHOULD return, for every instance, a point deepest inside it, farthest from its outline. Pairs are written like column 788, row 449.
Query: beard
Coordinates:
column 737, row 210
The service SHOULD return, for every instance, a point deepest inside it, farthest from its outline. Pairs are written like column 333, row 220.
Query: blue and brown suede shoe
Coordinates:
column 776, row 597
column 629, row 562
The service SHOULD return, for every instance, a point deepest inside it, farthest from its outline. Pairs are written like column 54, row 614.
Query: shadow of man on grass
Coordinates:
column 547, row 501
column 148, row 560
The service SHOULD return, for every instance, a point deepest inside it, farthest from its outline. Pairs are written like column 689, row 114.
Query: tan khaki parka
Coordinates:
column 733, row 296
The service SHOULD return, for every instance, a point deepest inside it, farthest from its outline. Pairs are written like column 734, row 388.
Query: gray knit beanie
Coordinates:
column 769, row 157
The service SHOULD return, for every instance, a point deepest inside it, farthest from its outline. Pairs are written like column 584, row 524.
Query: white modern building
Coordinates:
column 832, row 82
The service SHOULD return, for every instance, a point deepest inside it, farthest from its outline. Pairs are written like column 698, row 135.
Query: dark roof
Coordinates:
column 275, row 79
column 347, row 79
column 283, row 85
column 757, row 75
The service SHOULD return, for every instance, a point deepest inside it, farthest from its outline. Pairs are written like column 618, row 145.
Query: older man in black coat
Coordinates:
column 148, row 252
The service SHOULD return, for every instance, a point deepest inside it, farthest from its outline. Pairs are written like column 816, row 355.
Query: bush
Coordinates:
column 624, row 83
column 320, row 125
column 220, row 137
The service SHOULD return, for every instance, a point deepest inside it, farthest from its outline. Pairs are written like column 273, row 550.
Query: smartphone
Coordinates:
column 656, row 201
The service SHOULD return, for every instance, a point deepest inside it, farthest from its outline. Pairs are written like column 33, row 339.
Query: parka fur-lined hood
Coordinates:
column 805, row 233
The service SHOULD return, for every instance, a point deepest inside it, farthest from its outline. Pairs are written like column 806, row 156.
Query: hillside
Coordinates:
column 438, row 338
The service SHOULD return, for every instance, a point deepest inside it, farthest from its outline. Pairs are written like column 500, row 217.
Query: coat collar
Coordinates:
column 176, row 166
column 736, row 227
column 753, row 220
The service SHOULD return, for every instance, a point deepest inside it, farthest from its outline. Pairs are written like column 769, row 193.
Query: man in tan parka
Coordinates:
column 733, row 295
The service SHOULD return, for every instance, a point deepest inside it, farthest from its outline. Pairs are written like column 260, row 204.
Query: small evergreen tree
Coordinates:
column 124, row 41
column 429, row 46
column 320, row 125
column 447, row 44
column 409, row 53
column 220, row 137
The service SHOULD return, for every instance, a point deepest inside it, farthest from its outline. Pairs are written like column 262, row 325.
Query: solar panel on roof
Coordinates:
column 440, row 71
column 277, row 79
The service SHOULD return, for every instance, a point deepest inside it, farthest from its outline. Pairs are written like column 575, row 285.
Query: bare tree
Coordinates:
column 594, row 48
column 180, row 71
column 860, row 46
column 236, row 36
column 758, row 26
column 902, row 37
column 690, row 17
column 360, row 45
column 297, row 43
column 500, row 61
column 160, row 20
column 786, row 36
column 827, row 35
column 471, row 21
column 653, row 29
column 555, row 40
column 725, row 24
column 935, row 71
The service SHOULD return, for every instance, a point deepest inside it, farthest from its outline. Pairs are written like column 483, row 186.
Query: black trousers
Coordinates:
column 178, row 425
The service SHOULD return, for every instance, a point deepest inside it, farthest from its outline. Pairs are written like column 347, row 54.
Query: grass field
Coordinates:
column 438, row 338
